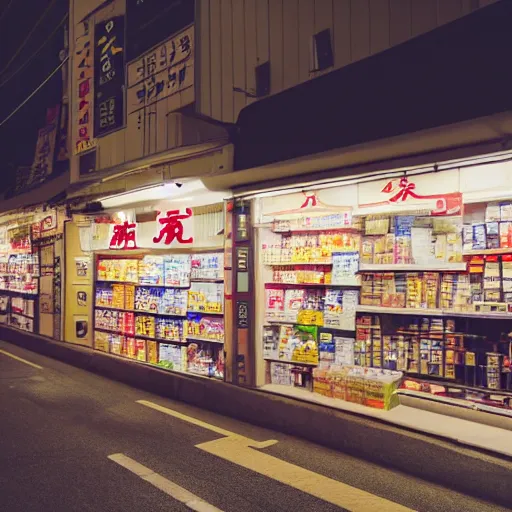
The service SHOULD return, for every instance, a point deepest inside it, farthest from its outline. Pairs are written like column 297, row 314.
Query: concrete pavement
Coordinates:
column 59, row 425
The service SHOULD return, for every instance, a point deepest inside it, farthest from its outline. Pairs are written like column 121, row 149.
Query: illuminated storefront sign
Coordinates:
column 173, row 228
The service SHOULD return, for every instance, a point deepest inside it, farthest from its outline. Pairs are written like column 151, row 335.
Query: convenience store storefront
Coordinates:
column 31, row 255
column 148, row 278
column 387, row 289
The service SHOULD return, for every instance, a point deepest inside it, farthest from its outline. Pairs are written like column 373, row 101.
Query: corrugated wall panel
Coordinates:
column 251, row 60
column 342, row 33
column 290, row 43
column 227, row 60
column 306, row 32
column 423, row 16
column 360, row 29
column 400, row 20
column 379, row 25
column 276, row 21
column 215, row 59
column 323, row 21
column 448, row 10
column 239, row 79
column 202, row 35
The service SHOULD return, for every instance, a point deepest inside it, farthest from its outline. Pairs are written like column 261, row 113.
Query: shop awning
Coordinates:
column 491, row 134
column 51, row 191
column 207, row 158
column 448, row 76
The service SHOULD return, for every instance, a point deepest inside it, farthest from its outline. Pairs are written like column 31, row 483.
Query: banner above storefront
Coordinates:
column 440, row 193
column 172, row 229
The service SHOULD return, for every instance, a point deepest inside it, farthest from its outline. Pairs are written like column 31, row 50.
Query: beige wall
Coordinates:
column 234, row 36
column 149, row 130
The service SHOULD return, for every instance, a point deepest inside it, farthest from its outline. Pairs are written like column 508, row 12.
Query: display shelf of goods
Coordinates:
column 206, row 298
column 433, row 348
column 158, row 310
column 321, row 307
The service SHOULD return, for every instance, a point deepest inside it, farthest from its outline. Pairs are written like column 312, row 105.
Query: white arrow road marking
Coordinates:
column 243, row 451
column 175, row 491
column 5, row 353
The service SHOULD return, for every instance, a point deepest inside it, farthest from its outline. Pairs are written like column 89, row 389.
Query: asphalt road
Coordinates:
column 60, row 424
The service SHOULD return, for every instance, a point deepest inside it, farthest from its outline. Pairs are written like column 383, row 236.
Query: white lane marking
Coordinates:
column 240, row 450
column 170, row 488
column 21, row 360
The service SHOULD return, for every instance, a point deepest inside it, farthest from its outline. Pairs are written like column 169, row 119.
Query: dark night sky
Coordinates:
column 18, row 135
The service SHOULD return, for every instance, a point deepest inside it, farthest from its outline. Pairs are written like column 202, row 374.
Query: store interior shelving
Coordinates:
column 409, row 268
column 169, row 312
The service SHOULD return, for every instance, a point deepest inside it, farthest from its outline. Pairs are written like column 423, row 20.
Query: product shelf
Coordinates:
column 215, row 313
column 327, row 328
column 140, row 311
column 432, row 312
column 312, row 365
column 429, row 267
column 299, row 264
column 347, row 286
column 207, row 281
column 205, row 340
column 484, row 252
column 21, row 314
column 144, row 285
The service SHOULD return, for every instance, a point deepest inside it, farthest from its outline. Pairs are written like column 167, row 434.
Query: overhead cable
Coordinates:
column 25, row 41
column 35, row 91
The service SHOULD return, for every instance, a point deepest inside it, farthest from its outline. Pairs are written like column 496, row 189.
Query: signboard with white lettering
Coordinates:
column 161, row 72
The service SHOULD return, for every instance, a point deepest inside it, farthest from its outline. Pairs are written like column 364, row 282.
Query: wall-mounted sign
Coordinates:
column 242, row 258
column 108, row 76
column 83, row 64
column 124, row 236
column 422, row 191
column 161, row 72
column 242, row 314
column 173, row 228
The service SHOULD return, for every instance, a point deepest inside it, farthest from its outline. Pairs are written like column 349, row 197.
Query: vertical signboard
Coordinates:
column 109, row 76
column 83, row 64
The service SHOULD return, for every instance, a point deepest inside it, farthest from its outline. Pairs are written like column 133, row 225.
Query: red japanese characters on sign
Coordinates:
column 401, row 190
column 124, row 236
column 172, row 228
column 83, row 64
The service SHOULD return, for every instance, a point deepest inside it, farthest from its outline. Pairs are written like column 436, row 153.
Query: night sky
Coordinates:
column 17, row 19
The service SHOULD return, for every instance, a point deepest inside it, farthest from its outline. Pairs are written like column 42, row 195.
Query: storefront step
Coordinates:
column 429, row 457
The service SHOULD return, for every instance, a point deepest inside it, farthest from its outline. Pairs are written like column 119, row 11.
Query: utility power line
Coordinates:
column 25, row 41
column 35, row 91
column 27, row 61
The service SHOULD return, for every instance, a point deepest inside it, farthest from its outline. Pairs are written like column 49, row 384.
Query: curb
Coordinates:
column 471, row 472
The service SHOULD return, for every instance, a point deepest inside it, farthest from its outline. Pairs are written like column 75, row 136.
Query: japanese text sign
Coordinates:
column 108, row 75
column 44, row 155
column 162, row 71
column 173, row 228
column 83, row 71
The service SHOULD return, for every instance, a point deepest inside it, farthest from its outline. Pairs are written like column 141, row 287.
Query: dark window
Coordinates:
column 87, row 162
column 323, row 50
column 149, row 22
column 263, row 79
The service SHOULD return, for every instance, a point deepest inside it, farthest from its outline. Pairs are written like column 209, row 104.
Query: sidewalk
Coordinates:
column 424, row 444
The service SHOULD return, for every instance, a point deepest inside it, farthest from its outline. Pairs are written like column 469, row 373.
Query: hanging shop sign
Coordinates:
column 83, row 63
column 109, row 76
column 438, row 193
column 172, row 229
column 161, row 72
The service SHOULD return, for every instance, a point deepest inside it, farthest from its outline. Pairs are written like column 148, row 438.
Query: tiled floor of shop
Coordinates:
column 470, row 433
